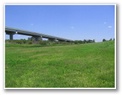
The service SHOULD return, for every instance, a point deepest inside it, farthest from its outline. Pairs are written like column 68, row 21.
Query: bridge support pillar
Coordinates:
column 52, row 39
column 11, row 36
column 36, row 38
column 61, row 41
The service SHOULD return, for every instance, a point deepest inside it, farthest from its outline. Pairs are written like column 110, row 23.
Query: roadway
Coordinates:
column 37, row 36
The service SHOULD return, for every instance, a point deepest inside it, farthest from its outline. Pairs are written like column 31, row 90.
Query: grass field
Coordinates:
column 84, row 65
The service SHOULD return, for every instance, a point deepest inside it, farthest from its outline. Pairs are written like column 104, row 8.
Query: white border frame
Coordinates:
column 69, row 5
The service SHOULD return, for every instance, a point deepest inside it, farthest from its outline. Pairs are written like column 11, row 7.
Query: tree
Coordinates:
column 93, row 40
column 110, row 39
column 104, row 40
column 84, row 41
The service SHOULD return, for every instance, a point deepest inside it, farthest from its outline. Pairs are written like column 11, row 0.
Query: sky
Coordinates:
column 75, row 22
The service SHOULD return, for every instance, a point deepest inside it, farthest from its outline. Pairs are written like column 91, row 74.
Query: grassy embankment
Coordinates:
column 84, row 65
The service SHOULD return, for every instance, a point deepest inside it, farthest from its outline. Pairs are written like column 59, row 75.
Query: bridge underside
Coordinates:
column 35, row 36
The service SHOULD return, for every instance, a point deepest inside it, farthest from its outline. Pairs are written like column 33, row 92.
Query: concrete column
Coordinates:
column 51, row 39
column 56, row 40
column 33, row 38
column 61, row 40
column 11, row 36
column 39, row 38
column 36, row 38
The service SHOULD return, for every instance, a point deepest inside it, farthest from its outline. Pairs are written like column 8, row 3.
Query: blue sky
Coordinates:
column 75, row 22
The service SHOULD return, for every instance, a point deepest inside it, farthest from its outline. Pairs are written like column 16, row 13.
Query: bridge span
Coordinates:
column 35, row 36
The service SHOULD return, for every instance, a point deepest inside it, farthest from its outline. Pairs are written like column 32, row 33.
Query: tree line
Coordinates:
column 47, row 42
column 104, row 40
column 84, row 41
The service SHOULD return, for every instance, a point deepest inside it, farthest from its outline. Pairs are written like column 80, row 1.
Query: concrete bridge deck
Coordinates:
column 36, row 36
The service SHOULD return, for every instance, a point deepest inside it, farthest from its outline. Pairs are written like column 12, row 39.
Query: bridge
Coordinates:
column 35, row 36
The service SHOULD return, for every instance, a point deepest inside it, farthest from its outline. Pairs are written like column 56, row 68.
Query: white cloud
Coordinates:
column 105, row 22
column 109, row 26
column 72, row 27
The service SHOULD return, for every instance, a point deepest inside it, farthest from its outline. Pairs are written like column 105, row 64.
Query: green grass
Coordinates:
column 82, row 66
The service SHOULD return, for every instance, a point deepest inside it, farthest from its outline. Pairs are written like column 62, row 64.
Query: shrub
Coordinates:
column 104, row 40
column 29, row 42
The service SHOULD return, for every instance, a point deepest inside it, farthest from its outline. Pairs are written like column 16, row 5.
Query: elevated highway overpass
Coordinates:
column 35, row 36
